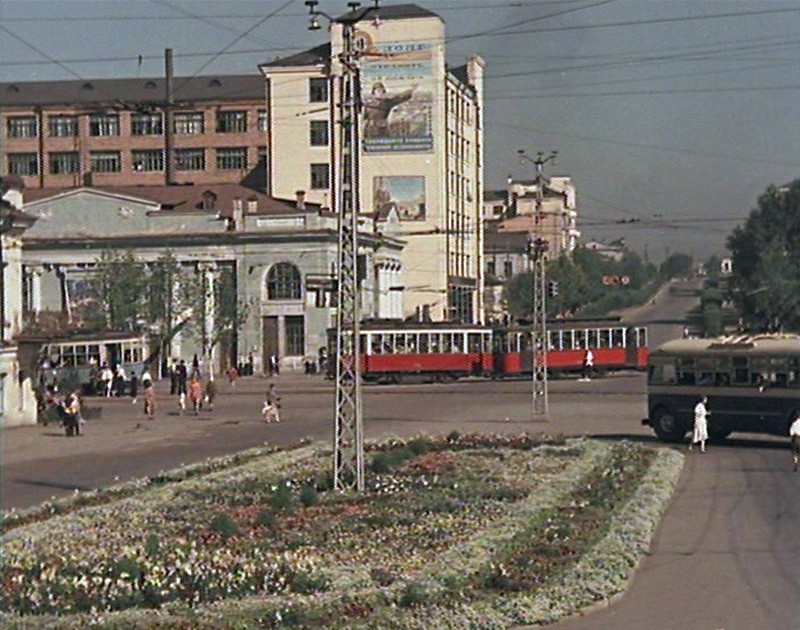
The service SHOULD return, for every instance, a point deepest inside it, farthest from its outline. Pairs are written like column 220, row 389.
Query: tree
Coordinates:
column 765, row 285
column 122, row 286
column 677, row 264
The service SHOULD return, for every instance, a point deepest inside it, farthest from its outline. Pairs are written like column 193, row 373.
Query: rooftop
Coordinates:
column 124, row 92
column 312, row 57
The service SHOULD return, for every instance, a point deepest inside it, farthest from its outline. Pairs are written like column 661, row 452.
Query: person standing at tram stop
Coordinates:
column 794, row 435
column 700, row 433
column 588, row 365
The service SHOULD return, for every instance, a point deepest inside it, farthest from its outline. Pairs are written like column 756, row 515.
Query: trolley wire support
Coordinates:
column 348, row 440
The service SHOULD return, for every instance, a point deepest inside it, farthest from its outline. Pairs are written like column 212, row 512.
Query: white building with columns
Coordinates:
column 421, row 143
column 17, row 400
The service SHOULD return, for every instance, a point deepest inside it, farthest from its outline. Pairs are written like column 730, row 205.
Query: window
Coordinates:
column 105, row 162
column 295, row 335
column 148, row 160
column 23, row 164
column 319, row 176
column 22, row 127
column 263, row 120
column 190, row 160
column 63, row 126
column 147, row 125
column 231, row 122
column 64, row 163
column 232, row 159
column 491, row 268
column 319, row 133
column 508, row 268
column 283, row 282
column 318, row 90
column 104, row 125
column 189, row 123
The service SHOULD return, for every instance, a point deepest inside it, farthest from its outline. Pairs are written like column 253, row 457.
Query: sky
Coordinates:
column 671, row 116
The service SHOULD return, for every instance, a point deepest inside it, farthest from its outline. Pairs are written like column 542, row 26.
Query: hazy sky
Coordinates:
column 657, row 114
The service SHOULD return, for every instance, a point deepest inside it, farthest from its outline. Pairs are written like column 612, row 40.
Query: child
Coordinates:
column 196, row 394
column 272, row 404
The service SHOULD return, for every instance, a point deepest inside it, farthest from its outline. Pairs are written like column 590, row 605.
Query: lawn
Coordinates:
column 479, row 531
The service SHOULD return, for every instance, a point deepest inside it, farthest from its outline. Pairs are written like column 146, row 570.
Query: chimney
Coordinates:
column 300, row 199
column 252, row 205
column 237, row 218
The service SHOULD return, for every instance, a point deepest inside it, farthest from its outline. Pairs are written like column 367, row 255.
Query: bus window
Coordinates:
column 434, row 343
column 423, row 343
column 411, row 343
column 641, row 337
column 399, row 343
column 553, row 339
column 487, row 342
column 617, row 337
column 377, row 343
column 474, row 342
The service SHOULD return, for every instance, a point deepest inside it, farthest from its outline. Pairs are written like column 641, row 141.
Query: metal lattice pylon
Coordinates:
column 348, row 447
column 539, row 402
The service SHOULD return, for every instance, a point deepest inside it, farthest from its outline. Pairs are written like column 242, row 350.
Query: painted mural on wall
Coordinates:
column 397, row 92
column 83, row 301
column 405, row 195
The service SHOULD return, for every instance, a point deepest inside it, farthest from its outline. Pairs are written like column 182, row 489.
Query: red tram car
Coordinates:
column 393, row 352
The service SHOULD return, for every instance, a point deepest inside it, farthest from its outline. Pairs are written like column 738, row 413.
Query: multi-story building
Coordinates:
column 421, row 153
column 112, row 132
column 17, row 401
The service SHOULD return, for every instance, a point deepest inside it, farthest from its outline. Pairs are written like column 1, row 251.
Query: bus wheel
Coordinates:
column 718, row 435
column 666, row 427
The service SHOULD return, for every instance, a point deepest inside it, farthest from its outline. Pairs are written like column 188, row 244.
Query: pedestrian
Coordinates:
column 173, row 377
column 794, row 434
column 149, row 398
column 588, row 365
column 147, row 378
column 272, row 404
column 700, row 433
column 181, row 376
column 196, row 394
column 134, row 387
column 250, row 364
column 233, row 374
column 119, row 381
column 107, row 380
column 322, row 355
column 211, row 393
column 275, row 362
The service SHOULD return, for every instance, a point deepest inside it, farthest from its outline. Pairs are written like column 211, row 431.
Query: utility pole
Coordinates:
column 169, row 125
column 537, row 252
column 348, row 440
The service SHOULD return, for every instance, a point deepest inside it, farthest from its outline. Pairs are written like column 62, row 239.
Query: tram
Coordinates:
column 394, row 351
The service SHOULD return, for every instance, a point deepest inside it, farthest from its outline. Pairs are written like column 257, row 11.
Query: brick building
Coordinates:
column 111, row 132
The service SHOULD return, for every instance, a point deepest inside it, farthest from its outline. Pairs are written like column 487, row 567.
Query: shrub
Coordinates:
column 266, row 519
column 418, row 446
column 380, row 463
column 453, row 436
column 305, row 583
column 309, row 496
column 152, row 545
column 414, row 594
column 281, row 499
column 225, row 526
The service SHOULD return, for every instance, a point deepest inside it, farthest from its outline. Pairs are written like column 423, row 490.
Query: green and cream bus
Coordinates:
column 752, row 384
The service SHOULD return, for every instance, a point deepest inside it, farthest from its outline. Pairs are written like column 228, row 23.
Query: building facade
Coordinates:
column 112, row 132
column 17, row 400
column 281, row 254
column 421, row 148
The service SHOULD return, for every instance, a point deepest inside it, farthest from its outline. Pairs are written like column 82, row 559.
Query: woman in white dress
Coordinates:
column 700, row 434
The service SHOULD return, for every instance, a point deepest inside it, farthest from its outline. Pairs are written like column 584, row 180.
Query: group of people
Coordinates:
column 66, row 409
column 185, row 387
column 107, row 381
column 700, row 431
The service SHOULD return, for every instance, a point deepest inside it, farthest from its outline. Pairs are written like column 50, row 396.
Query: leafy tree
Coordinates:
column 122, row 284
column 677, row 264
column 765, row 285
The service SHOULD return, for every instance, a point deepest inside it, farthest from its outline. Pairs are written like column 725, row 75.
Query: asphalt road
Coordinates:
column 725, row 556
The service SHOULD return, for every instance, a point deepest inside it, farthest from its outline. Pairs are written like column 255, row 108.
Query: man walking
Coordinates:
column 588, row 365
column 272, row 405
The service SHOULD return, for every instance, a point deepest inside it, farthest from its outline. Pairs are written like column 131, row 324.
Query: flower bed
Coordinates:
column 460, row 525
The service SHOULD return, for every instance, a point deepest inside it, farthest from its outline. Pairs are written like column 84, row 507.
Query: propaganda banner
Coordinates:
column 405, row 195
column 397, row 94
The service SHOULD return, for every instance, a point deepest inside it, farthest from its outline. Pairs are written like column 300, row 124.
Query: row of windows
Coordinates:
column 234, row 158
column 508, row 268
column 142, row 124
column 727, row 371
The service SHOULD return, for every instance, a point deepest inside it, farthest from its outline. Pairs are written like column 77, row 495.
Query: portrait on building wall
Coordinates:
column 83, row 299
column 405, row 195
column 397, row 93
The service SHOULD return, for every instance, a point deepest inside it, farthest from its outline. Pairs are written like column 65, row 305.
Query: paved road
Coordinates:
column 726, row 554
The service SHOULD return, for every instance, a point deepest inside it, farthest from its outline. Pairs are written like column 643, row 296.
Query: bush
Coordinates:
column 414, row 594
column 281, row 499
column 309, row 496
column 453, row 436
column 380, row 463
column 152, row 545
column 225, row 526
column 267, row 519
column 308, row 583
column 418, row 446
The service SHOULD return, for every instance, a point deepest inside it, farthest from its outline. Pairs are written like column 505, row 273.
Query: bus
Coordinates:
column 752, row 384
column 73, row 361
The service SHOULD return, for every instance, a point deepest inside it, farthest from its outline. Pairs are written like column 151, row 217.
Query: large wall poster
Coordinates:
column 397, row 93
column 83, row 300
column 406, row 195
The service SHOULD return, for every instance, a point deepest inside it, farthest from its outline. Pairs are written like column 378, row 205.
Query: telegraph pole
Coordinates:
column 348, row 440
column 537, row 252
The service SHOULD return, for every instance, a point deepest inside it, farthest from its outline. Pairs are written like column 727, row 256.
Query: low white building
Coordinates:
column 17, row 400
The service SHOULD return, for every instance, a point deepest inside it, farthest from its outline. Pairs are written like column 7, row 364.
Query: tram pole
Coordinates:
column 537, row 253
column 348, row 440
